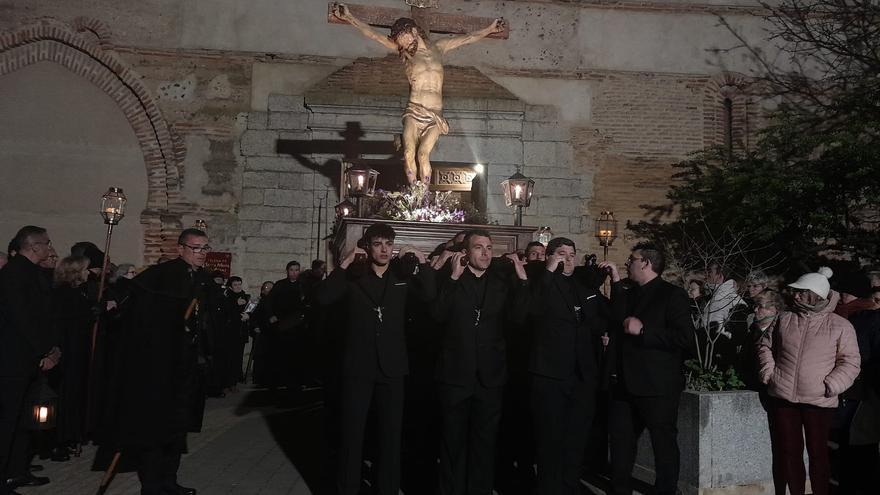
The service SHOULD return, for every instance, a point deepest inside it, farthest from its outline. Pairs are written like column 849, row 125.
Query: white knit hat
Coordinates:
column 815, row 282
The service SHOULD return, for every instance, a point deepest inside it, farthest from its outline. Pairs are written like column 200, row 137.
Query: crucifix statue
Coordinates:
column 423, row 121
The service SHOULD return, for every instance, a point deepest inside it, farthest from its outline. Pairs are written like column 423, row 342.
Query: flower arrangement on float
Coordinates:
column 416, row 203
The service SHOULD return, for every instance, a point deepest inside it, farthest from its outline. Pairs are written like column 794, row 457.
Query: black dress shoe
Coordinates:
column 182, row 490
column 27, row 480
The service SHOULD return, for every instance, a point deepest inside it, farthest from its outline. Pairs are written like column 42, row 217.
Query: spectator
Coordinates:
column 535, row 251
column 723, row 298
column 72, row 320
column 855, row 293
column 807, row 359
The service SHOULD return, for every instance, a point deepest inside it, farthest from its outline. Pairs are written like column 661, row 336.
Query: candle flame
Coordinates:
column 517, row 190
column 44, row 414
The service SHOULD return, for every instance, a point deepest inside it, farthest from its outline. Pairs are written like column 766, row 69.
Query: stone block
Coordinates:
column 545, row 131
column 539, row 153
column 564, row 155
column 283, row 229
column 259, row 143
column 257, row 120
column 286, row 103
column 260, row 179
column 251, row 196
column 500, row 105
column 714, row 430
column 556, row 187
column 541, row 113
column 287, row 120
column 550, row 205
column 249, row 227
column 287, row 197
column 497, row 126
column 289, row 181
column 475, row 149
column 264, row 213
column 270, row 164
column 259, row 244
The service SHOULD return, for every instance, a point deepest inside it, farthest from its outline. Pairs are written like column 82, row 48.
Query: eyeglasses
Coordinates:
column 633, row 258
column 199, row 249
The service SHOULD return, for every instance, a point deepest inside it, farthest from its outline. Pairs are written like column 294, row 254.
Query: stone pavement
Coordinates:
column 249, row 445
column 246, row 447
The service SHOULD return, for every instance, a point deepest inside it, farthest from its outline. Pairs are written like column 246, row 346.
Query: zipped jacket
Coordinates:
column 809, row 357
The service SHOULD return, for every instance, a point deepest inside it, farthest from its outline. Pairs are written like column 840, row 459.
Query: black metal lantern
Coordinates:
column 518, row 191
column 345, row 209
column 113, row 206
column 360, row 181
column 44, row 406
column 606, row 230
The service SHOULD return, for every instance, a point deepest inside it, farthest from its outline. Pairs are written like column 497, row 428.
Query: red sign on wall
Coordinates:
column 221, row 262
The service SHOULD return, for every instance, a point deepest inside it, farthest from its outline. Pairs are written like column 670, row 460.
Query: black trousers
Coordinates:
column 563, row 412
column 469, row 430
column 386, row 393
column 157, row 469
column 629, row 416
column 14, row 436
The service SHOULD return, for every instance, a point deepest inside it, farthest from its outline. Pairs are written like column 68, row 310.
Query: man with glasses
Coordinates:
column 646, row 375
column 158, row 368
column 26, row 348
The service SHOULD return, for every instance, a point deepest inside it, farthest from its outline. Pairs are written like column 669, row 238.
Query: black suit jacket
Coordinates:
column 651, row 364
column 563, row 344
column 365, row 340
column 469, row 353
column 25, row 325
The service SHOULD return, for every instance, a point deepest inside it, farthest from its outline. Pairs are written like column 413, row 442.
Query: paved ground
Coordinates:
column 249, row 445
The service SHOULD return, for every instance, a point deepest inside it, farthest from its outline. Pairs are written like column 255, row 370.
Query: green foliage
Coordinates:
column 710, row 380
column 810, row 186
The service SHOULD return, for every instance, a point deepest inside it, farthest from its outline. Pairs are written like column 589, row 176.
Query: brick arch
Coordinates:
column 736, row 87
column 163, row 149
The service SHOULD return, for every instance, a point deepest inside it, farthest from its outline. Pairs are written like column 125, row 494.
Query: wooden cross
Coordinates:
column 440, row 23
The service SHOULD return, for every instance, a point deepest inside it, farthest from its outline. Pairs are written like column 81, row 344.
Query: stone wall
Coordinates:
column 607, row 96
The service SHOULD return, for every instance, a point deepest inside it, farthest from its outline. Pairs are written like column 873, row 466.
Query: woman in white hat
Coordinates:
column 807, row 359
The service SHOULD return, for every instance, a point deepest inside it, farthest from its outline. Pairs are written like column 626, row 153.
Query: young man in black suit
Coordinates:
column 647, row 378
column 374, row 354
column 569, row 318
column 472, row 363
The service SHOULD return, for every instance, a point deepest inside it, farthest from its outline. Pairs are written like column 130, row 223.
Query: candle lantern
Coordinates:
column 518, row 191
column 544, row 235
column 113, row 206
column 606, row 230
column 44, row 407
column 345, row 209
column 360, row 181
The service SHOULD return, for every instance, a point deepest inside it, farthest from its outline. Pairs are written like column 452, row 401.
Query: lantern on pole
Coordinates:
column 606, row 230
column 113, row 206
column 544, row 235
column 518, row 191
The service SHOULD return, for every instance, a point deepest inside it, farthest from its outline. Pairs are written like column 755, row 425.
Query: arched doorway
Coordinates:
column 63, row 141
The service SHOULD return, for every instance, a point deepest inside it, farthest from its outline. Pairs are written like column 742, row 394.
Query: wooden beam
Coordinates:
column 439, row 23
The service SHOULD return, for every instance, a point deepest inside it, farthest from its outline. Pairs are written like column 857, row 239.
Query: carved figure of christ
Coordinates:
column 423, row 121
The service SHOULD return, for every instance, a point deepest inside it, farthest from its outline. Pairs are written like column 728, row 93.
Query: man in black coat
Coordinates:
column 646, row 370
column 374, row 357
column 569, row 319
column 472, row 363
column 26, row 348
column 158, row 365
column 286, row 317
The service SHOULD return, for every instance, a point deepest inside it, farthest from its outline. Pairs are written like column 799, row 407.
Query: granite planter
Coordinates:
column 724, row 442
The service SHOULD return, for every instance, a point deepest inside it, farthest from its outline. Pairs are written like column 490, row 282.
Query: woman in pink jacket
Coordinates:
column 810, row 356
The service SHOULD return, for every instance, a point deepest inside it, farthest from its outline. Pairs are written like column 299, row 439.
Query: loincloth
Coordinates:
column 425, row 118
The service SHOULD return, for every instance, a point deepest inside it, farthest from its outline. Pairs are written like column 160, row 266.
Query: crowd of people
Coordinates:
column 465, row 364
